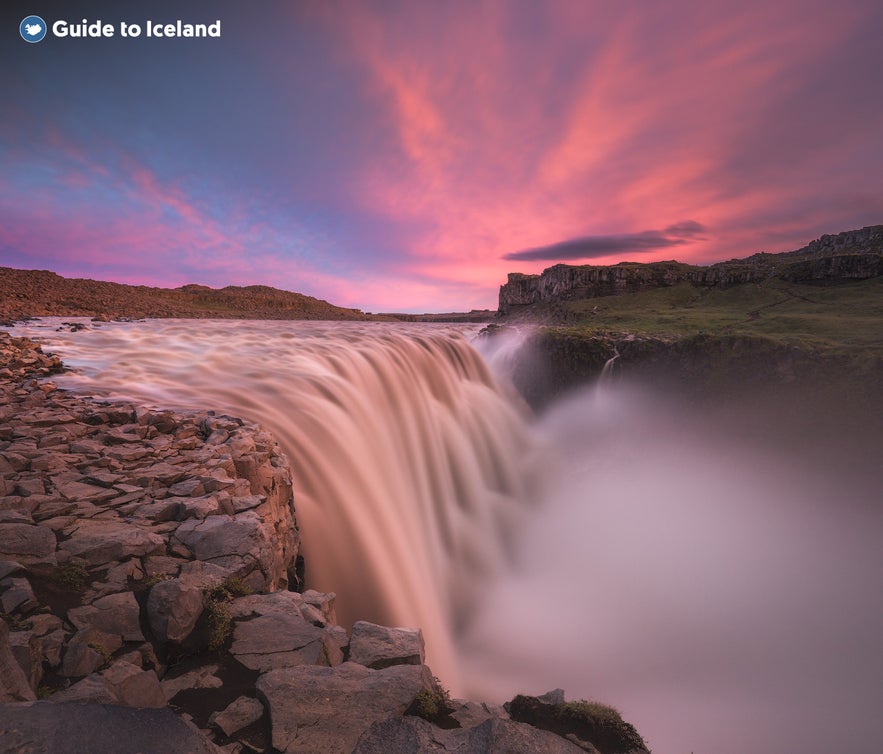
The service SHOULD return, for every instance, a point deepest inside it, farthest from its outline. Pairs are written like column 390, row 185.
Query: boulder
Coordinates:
column 88, row 650
column 591, row 725
column 114, row 614
column 277, row 640
column 323, row 710
column 201, row 678
column 379, row 647
column 243, row 536
column 26, row 649
column 266, row 604
column 237, row 715
column 134, row 687
column 93, row 689
column 14, row 686
column 173, row 609
column 51, row 728
column 493, row 736
column 99, row 541
column 18, row 597
column 27, row 544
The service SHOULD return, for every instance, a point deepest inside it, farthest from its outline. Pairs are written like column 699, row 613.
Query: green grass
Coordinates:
column 846, row 314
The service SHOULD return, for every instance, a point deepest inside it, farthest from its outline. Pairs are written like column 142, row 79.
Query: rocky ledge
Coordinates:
column 148, row 568
column 851, row 255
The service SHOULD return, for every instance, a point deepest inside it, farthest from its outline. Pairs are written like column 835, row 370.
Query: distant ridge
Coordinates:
column 40, row 293
column 851, row 255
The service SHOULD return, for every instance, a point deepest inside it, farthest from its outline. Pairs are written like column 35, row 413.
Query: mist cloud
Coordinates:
column 591, row 247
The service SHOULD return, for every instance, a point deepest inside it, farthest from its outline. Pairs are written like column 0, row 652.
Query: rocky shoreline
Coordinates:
column 148, row 576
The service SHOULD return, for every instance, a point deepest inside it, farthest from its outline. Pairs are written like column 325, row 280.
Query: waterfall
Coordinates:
column 713, row 570
column 411, row 469
column 607, row 370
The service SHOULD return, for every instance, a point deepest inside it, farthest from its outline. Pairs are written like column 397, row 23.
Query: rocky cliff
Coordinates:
column 148, row 562
column 855, row 254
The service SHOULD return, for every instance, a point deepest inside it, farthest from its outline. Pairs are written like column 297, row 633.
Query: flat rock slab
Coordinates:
column 322, row 710
column 380, row 647
column 277, row 640
column 221, row 536
column 102, row 541
column 115, row 614
column 27, row 544
column 49, row 728
column 493, row 736
column 237, row 715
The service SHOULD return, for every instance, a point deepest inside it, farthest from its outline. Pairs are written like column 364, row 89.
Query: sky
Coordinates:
column 406, row 156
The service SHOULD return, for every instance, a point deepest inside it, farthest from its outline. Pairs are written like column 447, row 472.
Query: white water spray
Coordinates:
column 722, row 591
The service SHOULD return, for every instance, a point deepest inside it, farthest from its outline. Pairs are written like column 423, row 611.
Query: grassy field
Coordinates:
column 848, row 314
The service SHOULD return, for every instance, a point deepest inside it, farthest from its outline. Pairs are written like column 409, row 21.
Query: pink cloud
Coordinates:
column 647, row 125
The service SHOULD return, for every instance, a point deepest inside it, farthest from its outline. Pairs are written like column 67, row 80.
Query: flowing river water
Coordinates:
column 723, row 593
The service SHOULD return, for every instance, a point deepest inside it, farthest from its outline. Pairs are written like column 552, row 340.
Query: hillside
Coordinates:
column 829, row 292
column 35, row 293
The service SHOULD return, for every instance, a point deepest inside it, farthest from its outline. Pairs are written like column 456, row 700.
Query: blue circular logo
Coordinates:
column 32, row 29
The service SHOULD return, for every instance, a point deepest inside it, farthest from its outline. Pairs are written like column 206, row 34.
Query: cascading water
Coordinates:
column 411, row 469
column 717, row 584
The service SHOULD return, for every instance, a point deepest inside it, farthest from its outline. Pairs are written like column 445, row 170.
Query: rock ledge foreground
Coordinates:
column 147, row 567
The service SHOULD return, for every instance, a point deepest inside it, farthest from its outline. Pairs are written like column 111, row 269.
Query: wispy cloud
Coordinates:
column 592, row 247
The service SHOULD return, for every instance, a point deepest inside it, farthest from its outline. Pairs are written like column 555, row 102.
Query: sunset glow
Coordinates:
column 407, row 156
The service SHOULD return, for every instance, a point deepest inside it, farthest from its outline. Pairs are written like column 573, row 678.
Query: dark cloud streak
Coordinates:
column 592, row 247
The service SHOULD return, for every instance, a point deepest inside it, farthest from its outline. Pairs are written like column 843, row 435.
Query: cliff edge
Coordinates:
column 851, row 255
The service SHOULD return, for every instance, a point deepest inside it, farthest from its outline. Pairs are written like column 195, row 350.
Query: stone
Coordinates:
column 162, row 565
column 187, row 488
column 93, row 688
column 14, row 686
column 134, row 687
column 493, row 736
column 198, row 507
column 316, row 709
column 102, row 541
column 379, row 647
column 336, row 641
column 76, row 491
column 159, row 473
column 19, row 596
column 52, row 728
column 115, row 614
column 8, row 567
column 324, row 602
column 201, row 678
column 50, row 635
column 26, row 649
column 28, row 487
column 221, row 536
column 173, row 609
column 608, row 732
column 237, row 715
column 204, row 575
column 88, row 650
column 469, row 714
column 266, row 604
column 277, row 640
column 27, row 544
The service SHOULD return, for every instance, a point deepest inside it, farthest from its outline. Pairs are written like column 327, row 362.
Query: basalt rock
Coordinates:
column 128, row 544
column 47, row 728
column 852, row 255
